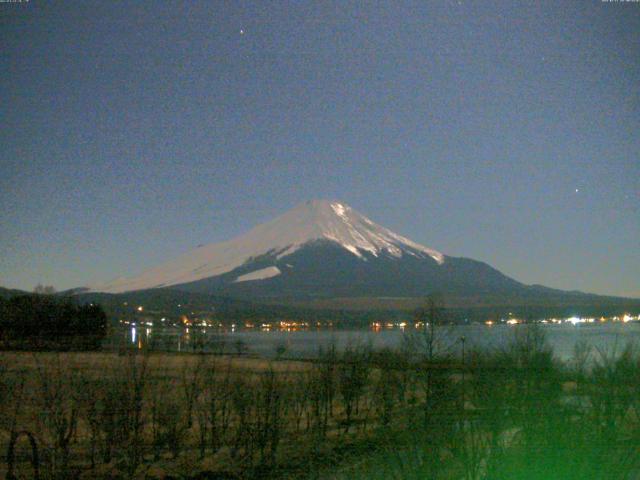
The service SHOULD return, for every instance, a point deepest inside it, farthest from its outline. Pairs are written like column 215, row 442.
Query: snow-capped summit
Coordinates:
column 314, row 221
column 339, row 223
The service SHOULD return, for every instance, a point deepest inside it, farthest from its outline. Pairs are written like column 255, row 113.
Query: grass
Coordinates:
column 513, row 413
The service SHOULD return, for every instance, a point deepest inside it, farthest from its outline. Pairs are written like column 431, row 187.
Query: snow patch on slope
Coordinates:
column 261, row 274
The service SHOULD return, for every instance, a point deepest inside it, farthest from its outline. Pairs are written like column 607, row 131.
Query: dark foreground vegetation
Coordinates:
column 49, row 322
column 423, row 411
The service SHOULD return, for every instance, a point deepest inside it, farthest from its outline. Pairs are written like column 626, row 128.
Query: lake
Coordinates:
column 610, row 337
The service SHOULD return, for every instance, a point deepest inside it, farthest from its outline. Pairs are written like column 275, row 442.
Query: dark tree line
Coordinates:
column 47, row 321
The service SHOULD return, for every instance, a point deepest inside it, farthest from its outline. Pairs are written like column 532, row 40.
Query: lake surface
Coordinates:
column 610, row 337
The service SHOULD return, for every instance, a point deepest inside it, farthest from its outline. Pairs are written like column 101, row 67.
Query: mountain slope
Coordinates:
column 323, row 269
column 11, row 292
column 312, row 221
column 324, row 251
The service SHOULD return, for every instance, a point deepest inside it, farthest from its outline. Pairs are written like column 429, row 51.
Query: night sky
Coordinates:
column 506, row 132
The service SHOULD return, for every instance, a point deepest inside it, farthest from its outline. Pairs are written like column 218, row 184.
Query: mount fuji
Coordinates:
column 327, row 250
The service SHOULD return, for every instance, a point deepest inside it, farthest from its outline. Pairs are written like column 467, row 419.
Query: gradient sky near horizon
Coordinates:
column 508, row 132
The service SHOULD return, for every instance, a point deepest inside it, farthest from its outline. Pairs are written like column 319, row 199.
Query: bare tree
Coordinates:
column 44, row 289
column 58, row 391
column 353, row 374
column 191, row 377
